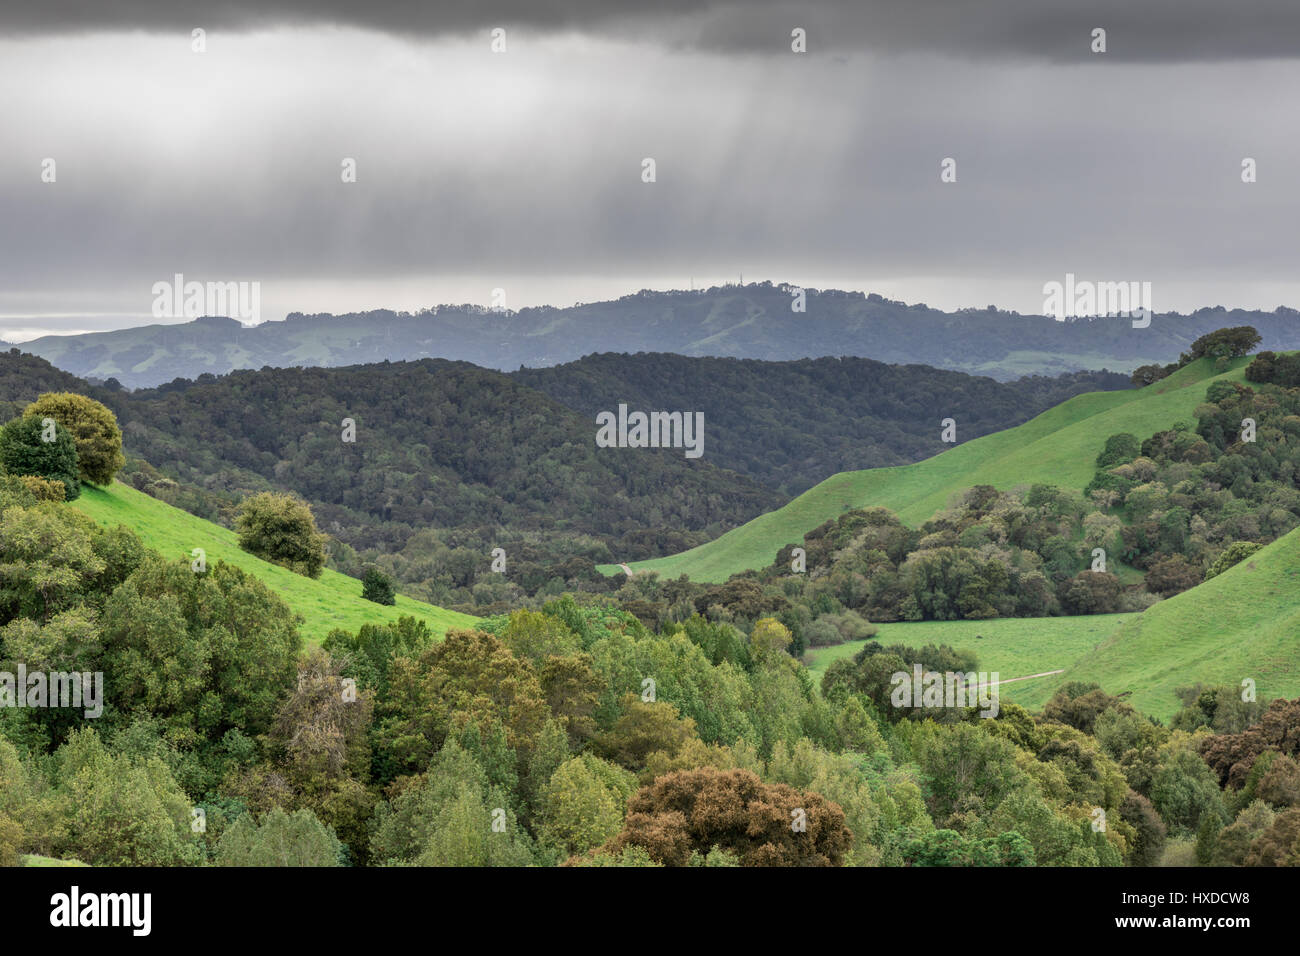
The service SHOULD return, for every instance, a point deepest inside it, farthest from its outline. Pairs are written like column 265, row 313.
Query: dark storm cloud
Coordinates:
column 768, row 168
column 478, row 171
column 1145, row 31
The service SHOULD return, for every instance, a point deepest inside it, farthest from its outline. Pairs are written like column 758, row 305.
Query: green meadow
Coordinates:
column 330, row 601
column 1243, row 624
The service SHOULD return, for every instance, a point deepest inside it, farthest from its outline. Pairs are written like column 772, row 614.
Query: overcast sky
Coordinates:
column 523, row 169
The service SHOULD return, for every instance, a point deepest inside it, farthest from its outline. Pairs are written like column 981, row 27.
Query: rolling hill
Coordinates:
column 1058, row 447
column 330, row 601
column 1243, row 623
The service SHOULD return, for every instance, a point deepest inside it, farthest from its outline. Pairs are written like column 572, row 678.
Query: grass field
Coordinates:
column 330, row 601
column 1058, row 447
column 1243, row 623
column 1014, row 647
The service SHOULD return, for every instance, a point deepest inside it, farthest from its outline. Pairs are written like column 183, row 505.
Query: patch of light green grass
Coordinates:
column 1245, row 623
column 1013, row 647
column 330, row 601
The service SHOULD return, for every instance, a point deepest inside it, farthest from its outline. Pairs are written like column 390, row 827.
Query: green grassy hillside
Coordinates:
column 1243, row 623
column 1058, row 447
column 332, row 600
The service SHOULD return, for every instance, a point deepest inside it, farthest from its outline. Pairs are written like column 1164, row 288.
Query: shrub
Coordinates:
column 1146, row 374
column 378, row 587
column 852, row 626
column 282, row 530
column 1120, row 449
column 1233, row 554
column 822, row 633
column 831, row 629
column 45, row 489
column 1172, row 575
column 1091, row 592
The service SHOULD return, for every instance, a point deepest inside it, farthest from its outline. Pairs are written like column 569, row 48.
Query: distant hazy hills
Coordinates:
column 753, row 321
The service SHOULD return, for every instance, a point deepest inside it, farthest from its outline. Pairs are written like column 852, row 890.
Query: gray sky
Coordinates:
column 522, row 170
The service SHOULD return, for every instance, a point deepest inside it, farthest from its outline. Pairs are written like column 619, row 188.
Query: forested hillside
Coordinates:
column 535, row 739
column 789, row 424
column 451, row 461
column 438, row 444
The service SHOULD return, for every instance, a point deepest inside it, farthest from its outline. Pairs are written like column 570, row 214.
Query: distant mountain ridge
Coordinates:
column 753, row 321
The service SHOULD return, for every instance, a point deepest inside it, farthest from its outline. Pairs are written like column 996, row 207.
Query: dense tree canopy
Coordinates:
column 660, row 722
column 93, row 428
column 39, row 446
